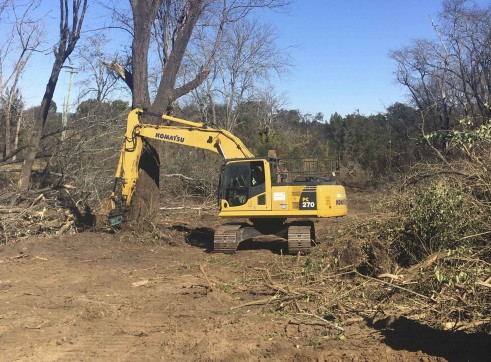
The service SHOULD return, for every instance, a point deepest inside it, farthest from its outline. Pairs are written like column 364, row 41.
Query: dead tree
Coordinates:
column 19, row 43
column 69, row 35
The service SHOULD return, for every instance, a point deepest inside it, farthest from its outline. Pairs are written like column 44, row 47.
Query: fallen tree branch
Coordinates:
column 12, row 210
column 185, row 208
column 484, row 284
column 395, row 286
column 27, row 209
column 210, row 284
column 65, row 227
column 327, row 323
column 180, row 176
column 52, row 188
column 256, row 302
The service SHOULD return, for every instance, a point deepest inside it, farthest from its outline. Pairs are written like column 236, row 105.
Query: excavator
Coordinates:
column 262, row 190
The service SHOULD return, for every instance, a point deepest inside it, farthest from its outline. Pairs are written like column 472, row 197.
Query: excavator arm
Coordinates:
column 179, row 131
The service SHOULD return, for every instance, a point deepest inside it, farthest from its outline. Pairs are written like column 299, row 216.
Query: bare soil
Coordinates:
column 130, row 297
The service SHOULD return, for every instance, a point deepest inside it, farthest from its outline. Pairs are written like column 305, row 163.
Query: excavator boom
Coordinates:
column 179, row 131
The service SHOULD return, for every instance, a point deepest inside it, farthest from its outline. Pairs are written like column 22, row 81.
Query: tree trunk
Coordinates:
column 146, row 199
column 144, row 13
column 17, row 133
column 37, row 132
column 6, row 148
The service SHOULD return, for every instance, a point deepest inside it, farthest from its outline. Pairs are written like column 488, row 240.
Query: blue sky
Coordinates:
column 339, row 49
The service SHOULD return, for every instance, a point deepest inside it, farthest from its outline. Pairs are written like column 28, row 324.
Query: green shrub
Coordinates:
column 437, row 217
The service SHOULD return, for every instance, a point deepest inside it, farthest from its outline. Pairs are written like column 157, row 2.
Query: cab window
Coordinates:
column 236, row 183
column 257, row 173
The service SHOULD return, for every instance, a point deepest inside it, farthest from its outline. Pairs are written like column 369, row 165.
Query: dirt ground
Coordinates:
column 128, row 297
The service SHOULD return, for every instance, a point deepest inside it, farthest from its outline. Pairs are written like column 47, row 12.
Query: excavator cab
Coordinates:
column 241, row 183
column 268, row 192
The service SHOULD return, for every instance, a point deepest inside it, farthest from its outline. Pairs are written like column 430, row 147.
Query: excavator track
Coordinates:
column 299, row 239
column 225, row 240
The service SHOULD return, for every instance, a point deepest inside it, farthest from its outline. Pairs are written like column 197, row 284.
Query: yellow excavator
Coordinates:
column 263, row 190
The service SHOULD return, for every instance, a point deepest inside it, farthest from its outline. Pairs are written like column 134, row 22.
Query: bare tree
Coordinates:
column 467, row 30
column 69, row 35
column 176, row 20
column 3, row 5
column 19, row 43
column 269, row 105
column 449, row 78
column 97, row 82
column 245, row 61
column 420, row 70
